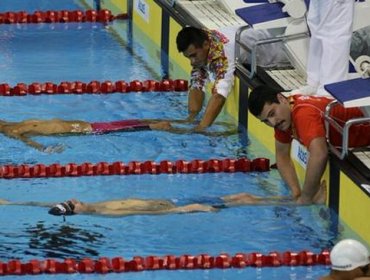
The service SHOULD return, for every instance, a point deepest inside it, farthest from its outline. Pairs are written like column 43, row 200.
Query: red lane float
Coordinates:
column 93, row 87
column 105, row 265
column 134, row 168
column 59, row 16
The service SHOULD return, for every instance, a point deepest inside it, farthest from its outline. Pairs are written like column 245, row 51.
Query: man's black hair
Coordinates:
column 260, row 96
column 190, row 35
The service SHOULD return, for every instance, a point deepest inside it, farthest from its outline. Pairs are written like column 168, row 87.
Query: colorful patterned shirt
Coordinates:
column 220, row 64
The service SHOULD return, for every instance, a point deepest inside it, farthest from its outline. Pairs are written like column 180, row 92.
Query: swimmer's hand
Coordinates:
column 58, row 148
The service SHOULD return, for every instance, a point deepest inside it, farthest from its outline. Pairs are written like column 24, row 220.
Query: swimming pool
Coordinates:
column 32, row 233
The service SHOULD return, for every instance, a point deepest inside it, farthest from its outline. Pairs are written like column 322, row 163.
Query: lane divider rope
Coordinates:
column 93, row 87
column 170, row 262
column 134, row 168
column 64, row 16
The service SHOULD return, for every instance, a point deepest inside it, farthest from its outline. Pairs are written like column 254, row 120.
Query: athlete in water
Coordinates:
column 25, row 129
column 134, row 206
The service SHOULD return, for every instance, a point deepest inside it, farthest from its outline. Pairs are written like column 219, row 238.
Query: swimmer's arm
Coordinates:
column 153, row 121
column 27, row 203
column 166, row 126
column 178, row 130
column 263, row 202
column 186, row 121
column 27, row 140
column 246, row 199
column 122, row 213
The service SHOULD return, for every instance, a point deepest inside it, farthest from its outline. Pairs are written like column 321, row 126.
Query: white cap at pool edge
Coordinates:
column 348, row 254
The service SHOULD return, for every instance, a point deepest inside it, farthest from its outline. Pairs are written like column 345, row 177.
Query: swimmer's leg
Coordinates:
column 248, row 199
column 191, row 208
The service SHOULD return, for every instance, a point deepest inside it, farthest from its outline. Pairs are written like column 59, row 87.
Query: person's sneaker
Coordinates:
column 304, row 90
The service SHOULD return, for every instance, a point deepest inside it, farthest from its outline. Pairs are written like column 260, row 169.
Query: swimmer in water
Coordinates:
column 134, row 206
column 25, row 129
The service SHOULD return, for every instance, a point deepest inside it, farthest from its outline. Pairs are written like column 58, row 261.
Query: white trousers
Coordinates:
column 330, row 23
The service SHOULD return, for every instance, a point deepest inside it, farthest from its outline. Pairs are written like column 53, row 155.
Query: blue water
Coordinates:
column 42, row 5
column 49, row 52
column 87, row 52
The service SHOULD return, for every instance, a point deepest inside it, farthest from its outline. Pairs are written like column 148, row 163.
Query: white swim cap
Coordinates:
column 348, row 254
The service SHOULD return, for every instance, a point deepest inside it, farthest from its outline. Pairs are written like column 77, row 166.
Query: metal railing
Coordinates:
column 343, row 130
column 239, row 45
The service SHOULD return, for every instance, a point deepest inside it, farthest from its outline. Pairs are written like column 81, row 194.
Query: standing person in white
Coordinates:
column 330, row 23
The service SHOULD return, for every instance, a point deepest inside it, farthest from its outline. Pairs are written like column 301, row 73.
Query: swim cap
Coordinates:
column 63, row 209
column 348, row 254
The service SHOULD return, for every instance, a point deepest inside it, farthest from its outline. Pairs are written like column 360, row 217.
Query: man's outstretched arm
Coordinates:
column 315, row 169
column 213, row 109
column 286, row 167
column 195, row 103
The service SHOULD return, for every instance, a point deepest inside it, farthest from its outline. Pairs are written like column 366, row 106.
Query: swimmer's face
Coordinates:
column 277, row 115
column 197, row 55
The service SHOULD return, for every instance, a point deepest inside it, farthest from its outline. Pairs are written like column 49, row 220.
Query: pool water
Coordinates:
column 42, row 5
column 67, row 52
column 88, row 52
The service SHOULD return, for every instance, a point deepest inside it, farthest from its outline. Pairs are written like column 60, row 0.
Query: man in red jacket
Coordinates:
column 302, row 118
